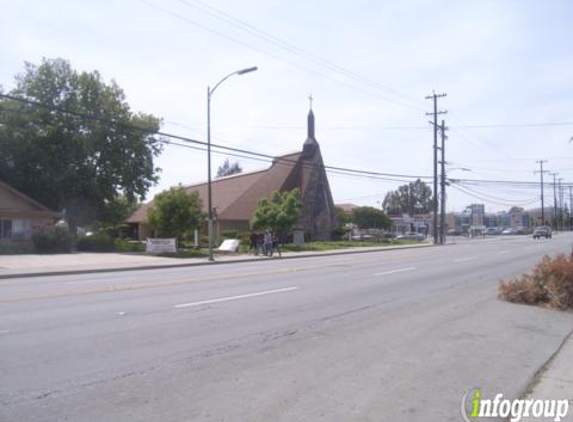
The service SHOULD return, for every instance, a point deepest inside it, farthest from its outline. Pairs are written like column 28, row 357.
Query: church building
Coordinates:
column 236, row 197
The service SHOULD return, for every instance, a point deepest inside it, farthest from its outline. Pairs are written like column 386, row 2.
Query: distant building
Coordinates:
column 348, row 208
column 477, row 214
column 236, row 197
column 419, row 223
column 20, row 215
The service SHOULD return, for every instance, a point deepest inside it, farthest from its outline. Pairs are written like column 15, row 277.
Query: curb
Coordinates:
column 204, row 263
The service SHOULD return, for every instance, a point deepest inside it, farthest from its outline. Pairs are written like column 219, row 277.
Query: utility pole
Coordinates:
column 541, row 171
column 554, row 199
column 570, row 207
column 560, row 204
column 435, row 113
column 443, row 129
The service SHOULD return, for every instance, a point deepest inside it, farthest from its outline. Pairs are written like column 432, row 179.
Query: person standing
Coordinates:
column 254, row 240
column 268, row 248
column 260, row 244
column 276, row 245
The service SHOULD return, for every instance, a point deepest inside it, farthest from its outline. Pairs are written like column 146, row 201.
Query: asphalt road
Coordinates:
column 386, row 336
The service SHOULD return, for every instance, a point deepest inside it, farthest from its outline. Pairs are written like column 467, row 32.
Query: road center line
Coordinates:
column 226, row 299
column 397, row 270
column 467, row 258
column 503, row 252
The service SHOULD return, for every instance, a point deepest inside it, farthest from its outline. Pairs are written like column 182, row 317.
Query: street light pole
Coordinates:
column 209, row 188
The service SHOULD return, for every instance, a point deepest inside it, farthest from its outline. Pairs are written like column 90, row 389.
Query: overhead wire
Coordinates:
column 253, row 155
column 280, row 58
column 369, row 174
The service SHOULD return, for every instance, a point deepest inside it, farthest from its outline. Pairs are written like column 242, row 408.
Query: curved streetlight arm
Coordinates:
column 209, row 189
column 238, row 72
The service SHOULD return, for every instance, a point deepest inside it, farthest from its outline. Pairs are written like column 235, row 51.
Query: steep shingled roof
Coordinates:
column 236, row 197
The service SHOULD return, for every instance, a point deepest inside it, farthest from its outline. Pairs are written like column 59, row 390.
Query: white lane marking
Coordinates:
column 397, row 270
column 467, row 258
column 98, row 280
column 503, row 252
column 2, row 332
column 226, row 299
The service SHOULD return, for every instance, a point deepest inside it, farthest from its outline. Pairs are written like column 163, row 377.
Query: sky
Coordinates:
column 505, row 65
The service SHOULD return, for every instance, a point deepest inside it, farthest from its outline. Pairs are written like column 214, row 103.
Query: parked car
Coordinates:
column 542, row 231
column 411, row 236
column 454, row 232
column 491, row 231
column 510, row 230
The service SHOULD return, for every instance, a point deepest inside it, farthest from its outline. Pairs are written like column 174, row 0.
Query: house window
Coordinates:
column 5, row 229
column 18, row 229
column 21, row 229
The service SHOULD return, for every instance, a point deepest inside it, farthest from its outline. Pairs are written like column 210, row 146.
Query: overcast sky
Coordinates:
column 506, row 66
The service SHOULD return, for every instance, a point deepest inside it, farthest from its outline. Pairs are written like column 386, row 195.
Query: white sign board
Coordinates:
column 229, row 245
column 155, row 246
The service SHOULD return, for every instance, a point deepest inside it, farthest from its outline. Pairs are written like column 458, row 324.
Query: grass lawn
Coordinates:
column 311, row 246
column 187, row 253
column 345, row 244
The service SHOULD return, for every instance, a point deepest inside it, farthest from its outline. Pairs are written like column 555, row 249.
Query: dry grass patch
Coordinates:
column 550, row 284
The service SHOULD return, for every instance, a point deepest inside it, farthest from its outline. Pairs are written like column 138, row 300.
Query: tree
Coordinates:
column 278, row 214
column 70, row 141
column 370, row 218
column 227, row 169
column 342, row 217
column 413, row 198
column 114, row 213
column 175, row 213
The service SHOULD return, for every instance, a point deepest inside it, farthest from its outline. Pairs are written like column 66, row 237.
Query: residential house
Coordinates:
column 20, row 215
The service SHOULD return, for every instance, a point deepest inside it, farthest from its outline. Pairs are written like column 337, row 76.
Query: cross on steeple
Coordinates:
column 310, row 99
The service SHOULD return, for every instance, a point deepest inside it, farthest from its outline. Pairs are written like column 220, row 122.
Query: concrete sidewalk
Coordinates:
column 12, row 266
column 555, row 380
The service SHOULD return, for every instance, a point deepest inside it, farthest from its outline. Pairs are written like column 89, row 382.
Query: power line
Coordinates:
column 278, row 57
column 285, row 45
column 481, row 198
column 196, row 142
column 172, row 139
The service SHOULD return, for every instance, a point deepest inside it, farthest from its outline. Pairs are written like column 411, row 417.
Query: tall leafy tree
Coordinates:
column 280, row 213
column 342, row 217
column 370, row 218
column 413, row 198
column 68, row 140
column 227, row 169
column 175, row 213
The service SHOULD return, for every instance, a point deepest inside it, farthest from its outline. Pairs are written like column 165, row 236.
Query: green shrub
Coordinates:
column 99, row 242
column 550, row 283
column 13, row 248
column 229, row 234
column 244, row 237
column 57, row 240
column 129, row 246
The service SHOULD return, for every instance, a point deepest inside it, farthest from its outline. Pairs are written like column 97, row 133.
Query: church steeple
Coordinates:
column 310, row 140
column 310, row 125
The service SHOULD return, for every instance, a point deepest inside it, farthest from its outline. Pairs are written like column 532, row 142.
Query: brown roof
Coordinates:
column 346, row 207
column 34, row 205
column 235, row 197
